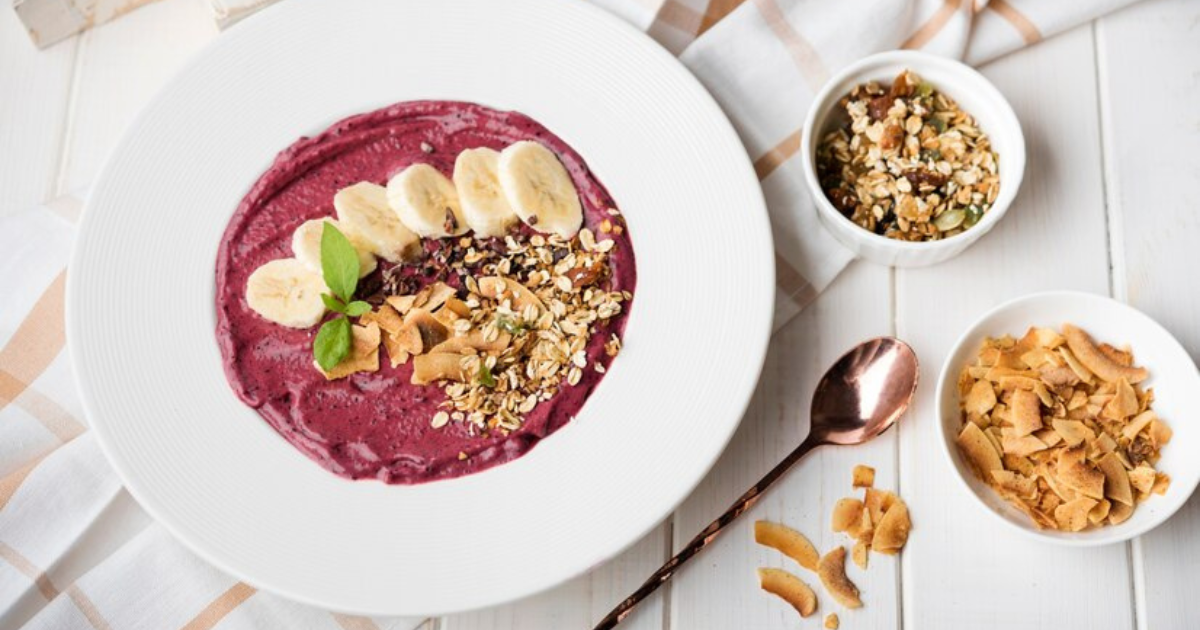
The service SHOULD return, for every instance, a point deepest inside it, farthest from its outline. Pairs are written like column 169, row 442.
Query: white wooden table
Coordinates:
column 1111, row 204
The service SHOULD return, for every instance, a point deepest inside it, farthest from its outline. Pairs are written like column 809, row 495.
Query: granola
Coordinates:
column 513, row 333
column 908, row 164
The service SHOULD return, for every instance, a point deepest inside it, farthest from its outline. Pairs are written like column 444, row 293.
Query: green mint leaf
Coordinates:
column 485, row 375
column 339, row 262
column 332, row 343
column 332, row 303
column 357, row 308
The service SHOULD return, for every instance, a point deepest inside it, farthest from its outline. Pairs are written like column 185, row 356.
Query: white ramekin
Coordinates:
column 974, row 93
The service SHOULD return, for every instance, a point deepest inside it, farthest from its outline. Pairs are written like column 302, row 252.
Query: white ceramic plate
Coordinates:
column 141, row 317
column 1173, row 376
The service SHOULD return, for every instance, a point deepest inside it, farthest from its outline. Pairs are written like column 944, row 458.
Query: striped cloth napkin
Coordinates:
column 77, row 552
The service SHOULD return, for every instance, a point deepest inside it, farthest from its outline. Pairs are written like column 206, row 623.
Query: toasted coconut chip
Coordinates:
column 832, row 571
column 1102, row 444
column 428, row 368
column 978, row 450
column 421, row 331
column 1142, row 478
column 1098, row 362
column 1119, row 513
column 789, row 588
column 499, row 288
column 1013, row 383
column 1058, row 376
column 1085, row 375
column 788, row 541
column 981, row 398
column 1123, row 404
column 831, row 621
column 1161, row 483
column 1019, row 486
column 1116, row 479
column 1026, row 415
column 1139, row 422
column 1048, row 436
column 865, row 529
column 476, row 339
column 385, row 316
column 878, row 502
column 1117, row 355
column 860, row 554
column 847, row 513
column 1159, row 432
column 1072, row 516
column 1074, row 472
column 892, row 531
column 863, row 476
column 1073, row 432
column 1021, row 446
column 402, row 303
column 433, row 296
column 396, row 354
column 364, row 353
column 1021, row 465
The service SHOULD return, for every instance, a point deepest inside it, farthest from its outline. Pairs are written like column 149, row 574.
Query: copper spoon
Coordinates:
column 863, row 394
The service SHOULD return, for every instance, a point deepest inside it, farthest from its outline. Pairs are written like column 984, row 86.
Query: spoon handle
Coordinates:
column 706, row 536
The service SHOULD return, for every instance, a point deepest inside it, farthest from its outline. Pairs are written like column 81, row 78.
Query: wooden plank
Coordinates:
column 1149, row 64
column 35, row 86
column 582, row 601
column 123, row 64
column 963, row 568
column 719, row 589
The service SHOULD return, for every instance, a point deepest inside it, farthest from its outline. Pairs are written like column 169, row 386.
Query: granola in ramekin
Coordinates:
column 908, row 163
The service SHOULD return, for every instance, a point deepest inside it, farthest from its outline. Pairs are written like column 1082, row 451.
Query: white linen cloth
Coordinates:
column 77, row 552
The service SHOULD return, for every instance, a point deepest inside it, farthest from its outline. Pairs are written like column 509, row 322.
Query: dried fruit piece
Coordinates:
column 790, row 588
column 790, row 542
column 832, row 571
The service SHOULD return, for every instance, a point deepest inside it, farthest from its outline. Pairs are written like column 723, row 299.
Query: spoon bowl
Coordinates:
column 861, row 395
column 865, row 392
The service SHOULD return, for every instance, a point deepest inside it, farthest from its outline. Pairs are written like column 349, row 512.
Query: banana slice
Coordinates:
column 426, row 202
column 306, row 245
column 483, row 202
column 539, row 189
column 364, row 211
column 287, row 292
